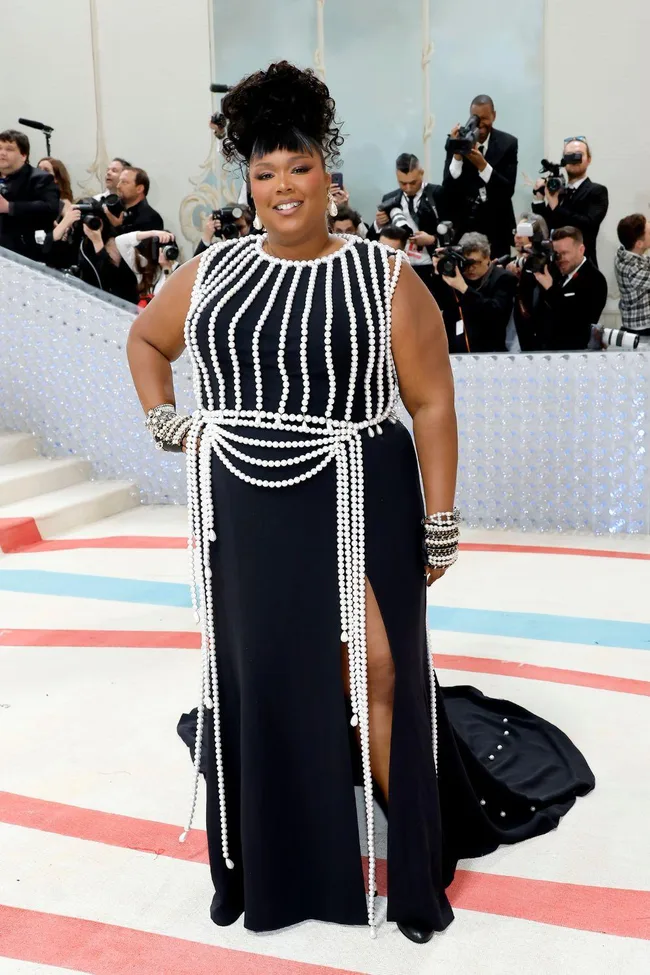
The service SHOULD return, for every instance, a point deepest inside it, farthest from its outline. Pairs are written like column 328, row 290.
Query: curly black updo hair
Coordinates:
column 283, row 107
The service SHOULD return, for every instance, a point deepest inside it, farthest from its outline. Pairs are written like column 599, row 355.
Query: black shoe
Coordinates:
column 418, row 935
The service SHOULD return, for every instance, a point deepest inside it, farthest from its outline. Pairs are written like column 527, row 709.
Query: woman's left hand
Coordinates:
column 433, row 574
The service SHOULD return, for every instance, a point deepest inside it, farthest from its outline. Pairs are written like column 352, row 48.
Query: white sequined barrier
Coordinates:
column 549, row 442
column 64, row 376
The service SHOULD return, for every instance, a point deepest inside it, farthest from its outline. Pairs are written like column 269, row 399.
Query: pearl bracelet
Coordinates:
column 167, row 427
column 441, row 538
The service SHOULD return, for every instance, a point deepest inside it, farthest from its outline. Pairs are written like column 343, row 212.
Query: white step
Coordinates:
column 16, row 446
column 67, row 509
column 28, row 478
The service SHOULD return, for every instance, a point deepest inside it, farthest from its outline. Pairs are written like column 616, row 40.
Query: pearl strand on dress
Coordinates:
column 282, row 368
column 248, row 301
column 371, row 339
column 327, row 340
column 304, row 334
column 257, row 365
column 381, row 317
column 354, row 343
column 433, row 682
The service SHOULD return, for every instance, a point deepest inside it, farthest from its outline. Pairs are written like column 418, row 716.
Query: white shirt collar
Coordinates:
column 485, row 144
column 416, row 199
column 578, row 182
column 573, row 273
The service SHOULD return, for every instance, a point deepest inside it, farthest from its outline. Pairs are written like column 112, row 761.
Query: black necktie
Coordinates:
column 411, row 202
column 481, row 149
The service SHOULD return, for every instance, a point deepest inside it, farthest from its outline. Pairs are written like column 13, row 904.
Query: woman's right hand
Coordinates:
column 71, row 215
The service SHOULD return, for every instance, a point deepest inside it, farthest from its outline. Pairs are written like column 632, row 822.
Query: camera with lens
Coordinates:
column 621, row 338
column 151, row 248
column 228, row 217
column 466, row 139
column 170, row 250
column 552, row 172
column 450, row 256
column 92, row 210
column 539, row 253
column 395, row 214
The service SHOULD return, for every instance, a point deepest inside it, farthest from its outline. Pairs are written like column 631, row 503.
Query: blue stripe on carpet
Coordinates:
column 488, row 622
column 45, row 583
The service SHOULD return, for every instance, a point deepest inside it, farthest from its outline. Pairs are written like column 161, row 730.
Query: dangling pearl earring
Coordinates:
column 332, row 208
column 257, row 223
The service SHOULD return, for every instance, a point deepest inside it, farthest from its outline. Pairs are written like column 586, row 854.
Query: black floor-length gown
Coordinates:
column 299, row 353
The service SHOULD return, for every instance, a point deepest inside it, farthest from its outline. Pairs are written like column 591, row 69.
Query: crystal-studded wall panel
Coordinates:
column 548, row 442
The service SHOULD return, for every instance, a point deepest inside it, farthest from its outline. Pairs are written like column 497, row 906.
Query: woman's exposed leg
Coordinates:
column 381, row 685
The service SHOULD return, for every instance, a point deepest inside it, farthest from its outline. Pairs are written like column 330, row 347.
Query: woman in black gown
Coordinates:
column 306, row 544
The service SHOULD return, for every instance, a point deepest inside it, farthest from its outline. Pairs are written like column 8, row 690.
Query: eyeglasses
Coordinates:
column 576, row 138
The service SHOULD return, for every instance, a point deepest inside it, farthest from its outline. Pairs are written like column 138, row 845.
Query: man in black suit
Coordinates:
column 573, row 296
column 480, row 184
column 484, row 299
column 29, row 199
column 133, row 189
column 420, row 206
column 581, row 203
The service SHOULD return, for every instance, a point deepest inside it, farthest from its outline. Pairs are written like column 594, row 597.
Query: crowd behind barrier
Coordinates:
column 504, row 283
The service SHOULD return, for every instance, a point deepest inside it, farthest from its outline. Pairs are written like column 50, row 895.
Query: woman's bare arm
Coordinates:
column 157, row 338
column 420, row 350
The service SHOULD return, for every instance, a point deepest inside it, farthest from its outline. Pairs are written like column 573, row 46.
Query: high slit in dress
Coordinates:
column 301, row 483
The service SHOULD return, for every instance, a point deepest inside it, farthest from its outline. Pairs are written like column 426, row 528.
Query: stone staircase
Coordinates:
column 40, row 498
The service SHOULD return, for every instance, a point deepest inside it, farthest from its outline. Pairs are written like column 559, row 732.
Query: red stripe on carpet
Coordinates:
column 552, row 675
column 608, row 910
column 16, row 533
column 114, row 541
column 176, row 542
column 552, row 550
column 172, row 640
column 107, row 949
column 153, row 639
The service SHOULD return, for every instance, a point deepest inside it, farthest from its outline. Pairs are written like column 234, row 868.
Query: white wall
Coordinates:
column 154, row 68
column 596, row 55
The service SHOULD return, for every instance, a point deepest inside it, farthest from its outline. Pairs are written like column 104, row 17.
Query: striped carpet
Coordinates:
column 98, row 658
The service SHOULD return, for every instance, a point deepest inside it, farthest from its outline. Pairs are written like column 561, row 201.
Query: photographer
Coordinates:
column 480, row 176
column 532, row 251
column 132, row 189
column 29, row 198
column 346, row 221
column 632, row 268
column 395, row 237
column 573, row 296
column 152, row 255
column 98, row 260
column 484, row 294
column 576, row 203
column 113, row 172
column 418, row 206
column 226, row 223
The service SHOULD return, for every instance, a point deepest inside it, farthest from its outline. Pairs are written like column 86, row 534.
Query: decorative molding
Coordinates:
column 97, row 168
column 214, row 185
column 428, row 117
column 319, row 53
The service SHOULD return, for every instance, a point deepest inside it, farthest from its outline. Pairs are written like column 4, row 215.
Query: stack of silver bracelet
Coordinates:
column 441, row 537
column 167, row 427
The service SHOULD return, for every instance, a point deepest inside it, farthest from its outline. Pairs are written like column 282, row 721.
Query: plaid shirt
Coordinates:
column 633, row 276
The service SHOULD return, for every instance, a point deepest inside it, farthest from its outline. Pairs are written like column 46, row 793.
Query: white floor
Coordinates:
column 92, row 728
